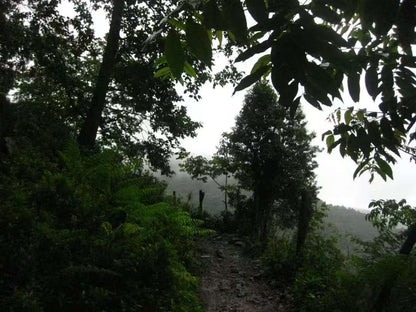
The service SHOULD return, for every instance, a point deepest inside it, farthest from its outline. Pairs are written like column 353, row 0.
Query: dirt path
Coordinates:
column 234, row 282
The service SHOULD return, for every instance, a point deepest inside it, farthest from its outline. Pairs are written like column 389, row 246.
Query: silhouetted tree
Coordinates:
column 271, row 155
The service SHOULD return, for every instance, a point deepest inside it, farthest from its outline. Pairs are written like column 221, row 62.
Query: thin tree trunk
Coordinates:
column 305, row 216
column 5, row 123
column 89, row 129
column 201, row 200
column 410, row 241
column 225, row 194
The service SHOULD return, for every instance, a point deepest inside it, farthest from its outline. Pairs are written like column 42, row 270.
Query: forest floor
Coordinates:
column 232, row 281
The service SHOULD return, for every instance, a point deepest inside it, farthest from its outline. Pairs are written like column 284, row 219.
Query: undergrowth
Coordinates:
column 92, row 233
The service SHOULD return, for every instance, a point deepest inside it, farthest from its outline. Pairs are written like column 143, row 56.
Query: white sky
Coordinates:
column 218, row 109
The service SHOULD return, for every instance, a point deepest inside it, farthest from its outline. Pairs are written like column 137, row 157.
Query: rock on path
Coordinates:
column 234, row 282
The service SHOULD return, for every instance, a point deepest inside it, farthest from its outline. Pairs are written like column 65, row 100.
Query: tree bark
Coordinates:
column 226, row 194
column 201, row 199
column 5, row 123
column 410, row 241
column 88, row 133
column 305, row 216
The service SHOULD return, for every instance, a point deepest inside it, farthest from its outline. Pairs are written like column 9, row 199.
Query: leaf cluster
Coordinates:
column 312, row 49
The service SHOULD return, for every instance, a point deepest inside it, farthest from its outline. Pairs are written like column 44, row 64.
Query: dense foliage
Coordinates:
column 103, row 89
column 92, row 234
column 84, row 228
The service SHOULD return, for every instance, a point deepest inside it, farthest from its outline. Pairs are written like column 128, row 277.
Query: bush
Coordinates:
column 92, row 233
column 316, row 276
column 311, row 275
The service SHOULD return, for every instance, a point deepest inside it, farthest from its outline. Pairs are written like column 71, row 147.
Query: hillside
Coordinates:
column 346, row 222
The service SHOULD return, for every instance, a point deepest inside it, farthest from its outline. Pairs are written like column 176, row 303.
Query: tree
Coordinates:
column 271, row 156
column 200, row 168
column 312, row 47
column 103, row 90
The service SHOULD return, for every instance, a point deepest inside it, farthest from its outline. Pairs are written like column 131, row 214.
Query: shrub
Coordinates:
column 92, row 233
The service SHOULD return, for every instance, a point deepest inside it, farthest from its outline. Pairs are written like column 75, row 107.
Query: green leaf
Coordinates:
column 262, row 61
column 354, row 86
column 258, row 48
column 361, row 114
column 189, row 70
column 385, row 167
column 326, row 133
column 338, row 114
column 175, row 55
column 161, row 60
column 326, row 14
column 387, row 129
column 288, row 93
column 234, row 14
column 219, row 36
column 330, row 140
column 359, row 170
column 374, row 132
column 257, row 9
column 381, row 173
column 371, row 81
column 348, row 115
column 364, row 142
column 199, row 42
column 177, row 24
column 163, row 72
column 252, row 78
column 213, row 17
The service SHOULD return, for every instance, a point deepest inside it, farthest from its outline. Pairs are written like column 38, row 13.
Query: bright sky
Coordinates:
column 218, row 109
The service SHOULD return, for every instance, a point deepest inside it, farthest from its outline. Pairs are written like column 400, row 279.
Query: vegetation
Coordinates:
column 85, row 228
column 340, row 40
column 88, row 233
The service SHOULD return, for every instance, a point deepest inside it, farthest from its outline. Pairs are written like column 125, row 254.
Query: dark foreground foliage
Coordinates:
column 91, row 233
column 375, row 278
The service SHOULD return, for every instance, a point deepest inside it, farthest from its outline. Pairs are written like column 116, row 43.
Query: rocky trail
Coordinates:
column 231, row 281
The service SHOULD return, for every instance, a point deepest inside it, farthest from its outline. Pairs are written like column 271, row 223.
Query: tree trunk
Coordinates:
column 89, row 129
column 6, row 123
column 305, row 216
column 201, row 199
column 383, row 297
column 226, row 194
column 410, row 240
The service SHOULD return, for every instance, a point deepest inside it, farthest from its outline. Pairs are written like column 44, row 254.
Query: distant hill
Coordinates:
column 340, row 220
column 344, row 222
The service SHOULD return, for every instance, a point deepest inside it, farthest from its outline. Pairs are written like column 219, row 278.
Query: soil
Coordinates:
column 232, row 281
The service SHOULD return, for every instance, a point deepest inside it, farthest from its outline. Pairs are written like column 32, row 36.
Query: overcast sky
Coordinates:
column 217, row 111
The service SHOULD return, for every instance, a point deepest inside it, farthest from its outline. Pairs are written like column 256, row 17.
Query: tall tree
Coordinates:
column 103, row 90
column 89, row 130
column 271, row 155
